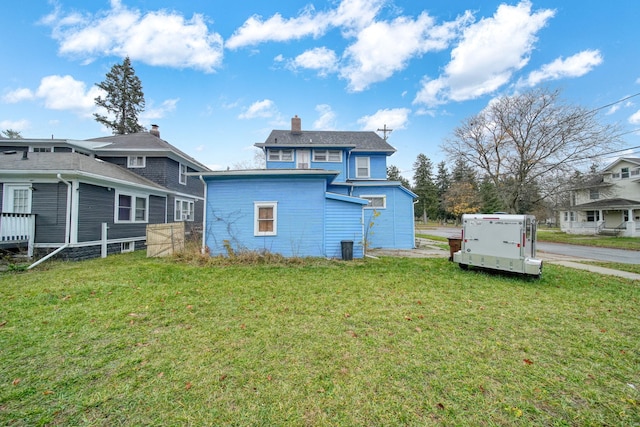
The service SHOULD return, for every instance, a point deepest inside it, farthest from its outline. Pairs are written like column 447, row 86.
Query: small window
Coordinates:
column 593, row 216
column 327, row 156
column 624, row 173
column 183, row 174
column 594, row 194
column 136, row 161
column 616, row 175
column 362, row 167
column 266, row 218
column 280, row 155
column 184, row 210
column 375, row 202
column 41, row 149
column 635, row 172
column 127, row 247
column 130, row 208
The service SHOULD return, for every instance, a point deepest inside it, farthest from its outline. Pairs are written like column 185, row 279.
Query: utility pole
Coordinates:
column 384, row 131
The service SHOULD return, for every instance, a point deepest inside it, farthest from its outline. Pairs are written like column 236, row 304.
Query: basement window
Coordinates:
column 127, row 247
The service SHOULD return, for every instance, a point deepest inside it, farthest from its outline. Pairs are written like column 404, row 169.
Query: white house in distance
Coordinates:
column 609, row 205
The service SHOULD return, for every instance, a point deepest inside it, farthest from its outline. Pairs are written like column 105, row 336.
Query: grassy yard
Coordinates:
column 630, row 243
column 133, row 341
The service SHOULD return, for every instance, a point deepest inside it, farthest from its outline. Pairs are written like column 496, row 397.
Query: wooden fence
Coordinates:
column 165, row 239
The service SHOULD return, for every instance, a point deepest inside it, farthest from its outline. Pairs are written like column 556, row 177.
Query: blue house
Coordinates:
column 319, row 189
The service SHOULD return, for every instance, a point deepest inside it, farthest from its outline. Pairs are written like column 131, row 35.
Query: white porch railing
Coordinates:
column 18, row 228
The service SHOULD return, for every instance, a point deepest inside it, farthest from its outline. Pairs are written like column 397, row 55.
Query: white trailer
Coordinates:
column 499, row 242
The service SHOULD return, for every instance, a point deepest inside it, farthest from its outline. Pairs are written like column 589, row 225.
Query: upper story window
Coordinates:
column 327, row 155
column 635, row 172
column 131, row 208
column 265, row 218
column 362, row 167
column 42, row 149
column 136, row 161
column 594, row 194
column 375, row 202
column 280, row 155
column 624, row 173
column 183, row 174
column 16, row 198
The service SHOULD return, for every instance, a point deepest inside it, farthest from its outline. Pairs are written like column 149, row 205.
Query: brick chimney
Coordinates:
column 296, row 125
column 154, row 131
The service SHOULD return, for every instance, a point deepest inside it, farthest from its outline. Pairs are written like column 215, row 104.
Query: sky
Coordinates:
column 219, row 76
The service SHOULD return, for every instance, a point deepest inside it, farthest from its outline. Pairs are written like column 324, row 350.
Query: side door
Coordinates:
column 303, row 159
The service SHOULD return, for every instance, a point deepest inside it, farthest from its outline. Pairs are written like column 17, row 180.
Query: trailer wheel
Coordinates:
column 464, row 266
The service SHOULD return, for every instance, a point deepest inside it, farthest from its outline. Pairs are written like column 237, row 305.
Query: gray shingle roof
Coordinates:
column 609, row 203
column 70, row 164
column 358, row 141
column 142, row 142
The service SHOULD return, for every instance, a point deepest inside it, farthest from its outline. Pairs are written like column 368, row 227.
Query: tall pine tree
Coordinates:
column 424, row 187
column 124, row 99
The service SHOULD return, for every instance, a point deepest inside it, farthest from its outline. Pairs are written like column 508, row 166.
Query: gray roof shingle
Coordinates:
column 358, row 141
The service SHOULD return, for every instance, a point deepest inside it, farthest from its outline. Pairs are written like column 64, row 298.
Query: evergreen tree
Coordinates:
column 443, row 181
column 490, row 197
column 425, row 188
column 393, row 174
column 124, row 99
column 11, row 134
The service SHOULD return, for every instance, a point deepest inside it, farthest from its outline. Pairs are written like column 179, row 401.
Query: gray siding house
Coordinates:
column 84, row 199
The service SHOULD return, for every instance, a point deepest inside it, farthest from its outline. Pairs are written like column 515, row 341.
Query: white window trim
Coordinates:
column 133, row 164
column 182, row 176
column 134, row 196
column 127, row 247
column 8, row 193
column 327, row 156
column 368, row 161
column 375, row 196
column 279, row 155
column 256, row 210
column 192, row 211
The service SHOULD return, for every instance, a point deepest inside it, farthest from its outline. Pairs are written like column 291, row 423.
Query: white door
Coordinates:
column 303, row 159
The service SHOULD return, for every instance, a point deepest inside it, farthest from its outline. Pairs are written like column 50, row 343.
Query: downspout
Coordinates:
column 67, row 231
column 413, row 215
column 204, row 217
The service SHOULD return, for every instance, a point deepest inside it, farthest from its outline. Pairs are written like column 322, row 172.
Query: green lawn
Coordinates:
column 631, row 243
column 390, row 342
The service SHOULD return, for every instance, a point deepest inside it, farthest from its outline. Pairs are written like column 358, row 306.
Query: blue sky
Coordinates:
column 219, row 76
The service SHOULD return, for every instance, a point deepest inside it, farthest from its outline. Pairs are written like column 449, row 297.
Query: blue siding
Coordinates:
column 300, row 218
column 393, row 227
column 344, row 222
column 377, row 165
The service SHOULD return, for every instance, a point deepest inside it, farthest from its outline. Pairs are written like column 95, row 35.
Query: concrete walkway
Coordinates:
column 430, row 249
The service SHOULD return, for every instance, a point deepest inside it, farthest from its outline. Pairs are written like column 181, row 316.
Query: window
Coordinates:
column 136, row 161
column 42, row 149
column 594, row 194
column 593, row 216
column 183, row 174
column 16, row 198
column 635, row 172
column 127, row 247
column 266, row 218
column 280, row 155
column 327, row 156
column 184, row 210
column 375, row 202
column 131, row 208
column 624, row 173
column 362, row 167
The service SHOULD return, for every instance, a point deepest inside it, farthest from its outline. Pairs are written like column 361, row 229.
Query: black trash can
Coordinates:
column 347, row 250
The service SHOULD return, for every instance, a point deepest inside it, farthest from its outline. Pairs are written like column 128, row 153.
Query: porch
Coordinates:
column 17, row 231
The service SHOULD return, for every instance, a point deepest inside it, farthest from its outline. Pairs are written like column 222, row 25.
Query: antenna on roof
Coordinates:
column 384, row 131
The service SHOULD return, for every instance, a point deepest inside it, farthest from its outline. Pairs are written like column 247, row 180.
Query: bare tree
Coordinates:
column 529, row 140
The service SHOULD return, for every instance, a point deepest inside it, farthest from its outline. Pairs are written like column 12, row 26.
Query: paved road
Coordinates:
column 586, row 252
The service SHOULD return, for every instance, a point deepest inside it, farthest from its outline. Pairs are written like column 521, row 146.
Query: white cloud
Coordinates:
column 67, row 93
column 18, row 95
column 152, row 112
column 320, row 59
column 574, row 66
column 394, row 118
column 487, row 56
column 17, row 125
column 156, row 38
column 350, row 15
column 327, row 118
column 635, row 118
column 260, row 109
column 383, row 48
